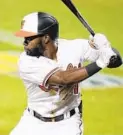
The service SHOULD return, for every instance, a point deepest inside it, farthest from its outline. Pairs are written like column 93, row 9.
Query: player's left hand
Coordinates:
column 99, row 41
column 115, row 61
column 105, row 55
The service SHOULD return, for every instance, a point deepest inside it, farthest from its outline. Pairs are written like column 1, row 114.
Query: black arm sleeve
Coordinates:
column 117, row 61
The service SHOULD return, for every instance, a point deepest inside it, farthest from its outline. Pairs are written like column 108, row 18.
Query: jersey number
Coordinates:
column 75, row 89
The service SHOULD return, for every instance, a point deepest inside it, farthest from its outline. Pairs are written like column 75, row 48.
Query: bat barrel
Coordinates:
column 74, row 10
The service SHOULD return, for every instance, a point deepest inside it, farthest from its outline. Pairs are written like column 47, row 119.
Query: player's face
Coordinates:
column 41, row 46
column 33, row 45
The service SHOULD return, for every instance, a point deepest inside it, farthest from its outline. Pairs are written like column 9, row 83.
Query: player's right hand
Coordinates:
column 99, row 41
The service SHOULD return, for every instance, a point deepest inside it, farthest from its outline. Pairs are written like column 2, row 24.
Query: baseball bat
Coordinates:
column 75, row 11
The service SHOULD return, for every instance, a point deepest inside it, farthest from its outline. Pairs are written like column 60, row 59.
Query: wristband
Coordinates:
column 92, row 69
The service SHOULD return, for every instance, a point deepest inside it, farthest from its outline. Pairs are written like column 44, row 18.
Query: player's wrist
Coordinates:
column 92, row 69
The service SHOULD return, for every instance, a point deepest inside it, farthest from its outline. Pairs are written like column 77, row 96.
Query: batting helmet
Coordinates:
column 39, row 23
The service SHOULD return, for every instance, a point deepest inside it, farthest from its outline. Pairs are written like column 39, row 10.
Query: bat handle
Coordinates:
column 86, row 25
column 92, row 32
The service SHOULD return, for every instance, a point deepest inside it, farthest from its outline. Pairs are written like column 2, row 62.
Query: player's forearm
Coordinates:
column 77, row 75
column 80, row 74
column 74, row 75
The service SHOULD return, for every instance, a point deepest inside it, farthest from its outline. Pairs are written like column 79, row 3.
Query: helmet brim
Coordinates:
column 23, row 33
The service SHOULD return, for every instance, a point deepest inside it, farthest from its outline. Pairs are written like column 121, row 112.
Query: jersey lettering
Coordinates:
column 75, row 89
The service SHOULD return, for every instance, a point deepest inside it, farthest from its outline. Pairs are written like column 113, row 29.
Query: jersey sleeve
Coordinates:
column 37, row 70
column 87, row 52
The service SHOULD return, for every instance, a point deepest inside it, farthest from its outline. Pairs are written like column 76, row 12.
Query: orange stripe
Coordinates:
column 48, row 75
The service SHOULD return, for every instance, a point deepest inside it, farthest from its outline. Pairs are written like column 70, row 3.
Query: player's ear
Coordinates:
column 46, row 39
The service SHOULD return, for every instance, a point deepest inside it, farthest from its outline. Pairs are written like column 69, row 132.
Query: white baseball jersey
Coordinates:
column 51, row 101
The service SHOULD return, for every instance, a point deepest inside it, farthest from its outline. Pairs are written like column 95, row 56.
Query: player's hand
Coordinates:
column 105, row 56
column 115, row 62
column 99, row 41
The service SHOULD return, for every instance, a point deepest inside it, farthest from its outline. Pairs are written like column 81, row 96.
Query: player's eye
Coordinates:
column 26, row 42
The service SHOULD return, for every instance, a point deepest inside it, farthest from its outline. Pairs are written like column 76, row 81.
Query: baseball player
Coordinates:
column 52, row 70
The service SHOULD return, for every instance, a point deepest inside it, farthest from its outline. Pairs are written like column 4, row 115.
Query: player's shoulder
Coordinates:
column 26, row 60
column 24, row 56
